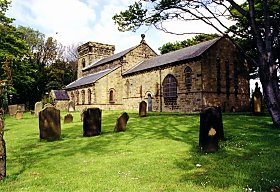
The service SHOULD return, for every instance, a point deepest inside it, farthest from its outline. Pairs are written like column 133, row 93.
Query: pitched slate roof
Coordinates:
column 109, row 58
column 60, row 95
column 89, row 79
column 172, row 57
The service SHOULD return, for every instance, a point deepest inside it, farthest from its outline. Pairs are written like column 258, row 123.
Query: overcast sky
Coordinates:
column 80, row 21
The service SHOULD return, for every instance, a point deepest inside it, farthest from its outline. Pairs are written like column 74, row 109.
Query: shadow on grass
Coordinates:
column 249, row 156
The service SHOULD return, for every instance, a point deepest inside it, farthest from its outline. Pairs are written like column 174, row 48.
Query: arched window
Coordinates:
column 111, row 96
column 188, row 77
column 83, row 97
column 89, row 96
column 83, row 62
column 169, row 87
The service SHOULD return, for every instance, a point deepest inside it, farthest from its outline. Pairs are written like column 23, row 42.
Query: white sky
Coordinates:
column 80, row 21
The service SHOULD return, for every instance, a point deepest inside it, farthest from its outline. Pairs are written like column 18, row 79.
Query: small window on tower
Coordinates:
column 83, row 63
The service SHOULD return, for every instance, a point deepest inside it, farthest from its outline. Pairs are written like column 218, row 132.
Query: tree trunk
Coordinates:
column 268, row 78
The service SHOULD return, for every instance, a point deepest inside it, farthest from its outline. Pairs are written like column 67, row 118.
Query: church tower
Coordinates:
column 91, row 52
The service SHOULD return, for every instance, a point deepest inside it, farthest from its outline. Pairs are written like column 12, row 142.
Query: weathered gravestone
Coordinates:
column 71, row 106
column 2, row 151
column 211, row 129
column 49, row 124
column 142, row 109
column 257, row 100
column 68, row 118
column 19, row 115
column 38, row 107
column 121, row 122
column 92, row 122
column 12, row 109
column 21, row 107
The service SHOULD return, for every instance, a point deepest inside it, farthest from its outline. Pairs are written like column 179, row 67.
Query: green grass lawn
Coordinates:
column 156, row 153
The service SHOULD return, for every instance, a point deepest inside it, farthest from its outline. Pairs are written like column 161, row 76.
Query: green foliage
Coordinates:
column 12, row 50
column 132, row 18
column 169, row 47
column 244, row 34
column 156, row 153
column 47, row 99
column 30, row 64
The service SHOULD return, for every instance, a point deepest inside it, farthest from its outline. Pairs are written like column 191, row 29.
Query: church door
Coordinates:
column 149, row 102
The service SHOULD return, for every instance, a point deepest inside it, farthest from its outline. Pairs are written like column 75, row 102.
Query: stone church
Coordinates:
column 212, row 73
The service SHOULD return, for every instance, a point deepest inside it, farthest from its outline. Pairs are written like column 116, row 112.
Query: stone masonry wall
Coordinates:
column 234, row 88
column 137, row 88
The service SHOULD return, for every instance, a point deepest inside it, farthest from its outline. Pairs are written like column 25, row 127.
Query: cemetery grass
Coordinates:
column 156, row 153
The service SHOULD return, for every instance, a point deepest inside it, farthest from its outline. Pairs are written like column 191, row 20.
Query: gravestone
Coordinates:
column 71, row 106
column 92, row 122
column 121, row 122
column 12, row 109
column 68, row 118
column 21, row 107
column 19, row 115
column 211, row 129
column 142, row 109
column 38, row 107
column 257, row 100
column 2, row 151
column 49, row 124
column 48, row 105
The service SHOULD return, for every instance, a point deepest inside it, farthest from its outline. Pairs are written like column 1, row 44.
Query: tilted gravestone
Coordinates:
column 49, row 124
column 211, row 129
column 2, row 151
column 92, row 122
column 121, row 122
column 19, row 115
column 68, row 118
column 12, row 109
column 71, row 106
column 142, row 109
column 38, row 107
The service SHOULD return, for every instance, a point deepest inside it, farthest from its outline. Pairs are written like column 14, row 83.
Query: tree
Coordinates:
column 169, row 47
column 12, row 50
column 261, row 17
